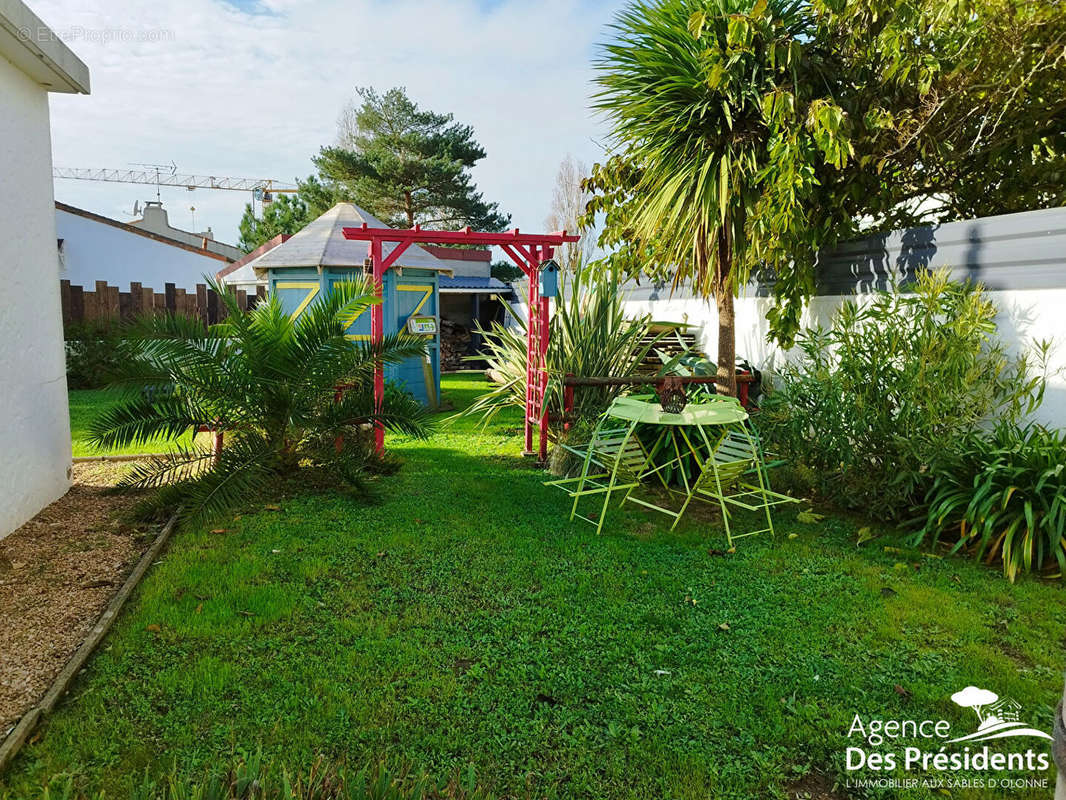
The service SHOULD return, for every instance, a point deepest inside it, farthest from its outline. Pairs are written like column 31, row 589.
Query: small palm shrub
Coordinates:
column 1002, row 496
column 889, row 387
column 589, row 336
column 268, row 381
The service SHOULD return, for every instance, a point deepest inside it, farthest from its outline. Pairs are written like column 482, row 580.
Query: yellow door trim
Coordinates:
column 313, row 286
column 416, row 287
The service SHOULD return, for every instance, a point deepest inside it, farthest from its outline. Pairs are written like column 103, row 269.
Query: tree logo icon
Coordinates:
column 997, row 718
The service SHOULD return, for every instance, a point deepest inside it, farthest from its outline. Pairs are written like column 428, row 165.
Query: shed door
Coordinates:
column 418, row 297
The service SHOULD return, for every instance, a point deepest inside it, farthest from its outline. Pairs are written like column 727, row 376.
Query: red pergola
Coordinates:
column 528, row 251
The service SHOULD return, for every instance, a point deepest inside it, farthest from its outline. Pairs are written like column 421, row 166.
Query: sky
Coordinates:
column 253, row 88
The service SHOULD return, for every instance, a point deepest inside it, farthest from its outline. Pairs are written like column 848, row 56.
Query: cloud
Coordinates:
column 972, row 697
column 254, row 88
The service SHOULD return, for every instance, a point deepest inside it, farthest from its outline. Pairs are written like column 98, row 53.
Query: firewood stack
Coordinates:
column 454, row 342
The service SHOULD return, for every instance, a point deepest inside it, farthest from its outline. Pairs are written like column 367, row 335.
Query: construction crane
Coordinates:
column 168, row 175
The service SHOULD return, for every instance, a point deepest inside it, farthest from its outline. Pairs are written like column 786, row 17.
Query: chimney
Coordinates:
column 155, row 217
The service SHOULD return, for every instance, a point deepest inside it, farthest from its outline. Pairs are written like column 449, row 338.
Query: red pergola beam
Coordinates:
column 528, row 251
column 465, row 236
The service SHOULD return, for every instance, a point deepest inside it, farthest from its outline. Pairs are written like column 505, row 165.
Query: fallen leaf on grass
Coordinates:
column 200, row 608
column 715, row 552
column 901, row 691
column 246, row 613
column 809, row 516
column 793, row 536
column 153, row 628
column 723, row 626
column 220, row 530
column 865, row 535
column 272, row 508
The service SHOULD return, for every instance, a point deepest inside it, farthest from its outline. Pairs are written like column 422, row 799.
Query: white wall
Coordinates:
column 34, row 419
column 95, row 251
column 1025, row 316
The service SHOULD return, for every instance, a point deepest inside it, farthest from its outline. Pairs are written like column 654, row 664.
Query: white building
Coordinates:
column 34, row 418
column 94, row 248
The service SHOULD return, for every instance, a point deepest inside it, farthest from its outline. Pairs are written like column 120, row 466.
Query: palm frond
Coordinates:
column 142, row 419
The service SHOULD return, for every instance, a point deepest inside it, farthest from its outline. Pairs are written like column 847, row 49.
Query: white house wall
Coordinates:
column 34, row 420
column 95, row 251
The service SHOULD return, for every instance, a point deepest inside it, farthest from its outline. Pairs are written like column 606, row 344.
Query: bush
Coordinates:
column 892, row 385
column 269, row 381
column 1004, row 496
column 589, row 336
column 92, row 350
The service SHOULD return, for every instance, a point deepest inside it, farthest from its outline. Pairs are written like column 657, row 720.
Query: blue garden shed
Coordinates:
column 312, row 261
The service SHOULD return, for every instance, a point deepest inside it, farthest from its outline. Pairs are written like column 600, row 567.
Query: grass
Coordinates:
column 87, row 403
column 461, row 622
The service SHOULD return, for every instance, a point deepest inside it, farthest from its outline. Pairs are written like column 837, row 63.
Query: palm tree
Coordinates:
column 688, row 86
column 271, row 383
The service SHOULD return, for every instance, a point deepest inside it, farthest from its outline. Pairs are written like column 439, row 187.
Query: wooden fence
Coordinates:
column 109, row 303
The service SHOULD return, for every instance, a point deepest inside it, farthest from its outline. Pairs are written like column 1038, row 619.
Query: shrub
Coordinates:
column 589, row 336
column 1004, row 496
column 892, row 385
column 268, row 381
column 92, row 350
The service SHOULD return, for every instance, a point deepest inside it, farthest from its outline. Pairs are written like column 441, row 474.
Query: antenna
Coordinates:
column 160, row 170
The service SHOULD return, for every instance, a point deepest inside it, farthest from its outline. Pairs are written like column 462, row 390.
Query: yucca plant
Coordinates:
column 590, row 335
column 270, row 383
column 1004, row 496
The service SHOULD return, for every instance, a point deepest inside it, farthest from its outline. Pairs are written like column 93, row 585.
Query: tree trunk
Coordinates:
column 409, row 208
column 727, row 336
column 727, row 345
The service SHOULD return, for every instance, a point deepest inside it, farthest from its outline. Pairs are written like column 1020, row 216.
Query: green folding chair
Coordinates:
column 611, row 461
column 735, row 474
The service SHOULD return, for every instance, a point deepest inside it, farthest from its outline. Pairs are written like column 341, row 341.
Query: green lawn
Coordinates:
column 86, row 404
column 461, row 620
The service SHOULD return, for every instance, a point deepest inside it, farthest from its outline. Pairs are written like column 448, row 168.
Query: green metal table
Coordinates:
column 711, row 435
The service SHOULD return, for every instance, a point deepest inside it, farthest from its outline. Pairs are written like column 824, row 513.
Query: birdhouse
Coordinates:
column 549, row 279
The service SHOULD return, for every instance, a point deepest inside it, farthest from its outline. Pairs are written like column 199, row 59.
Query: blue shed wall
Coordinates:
column 404, row 294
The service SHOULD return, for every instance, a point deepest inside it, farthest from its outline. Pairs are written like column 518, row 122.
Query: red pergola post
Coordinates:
column 528, row 251
column 377, row 331
column 532, row 323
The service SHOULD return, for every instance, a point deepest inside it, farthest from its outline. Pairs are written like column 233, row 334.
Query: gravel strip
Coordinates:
column 57, row 573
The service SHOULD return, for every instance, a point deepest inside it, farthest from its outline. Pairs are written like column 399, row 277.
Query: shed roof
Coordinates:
column 473, row 284
column 321, row 243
